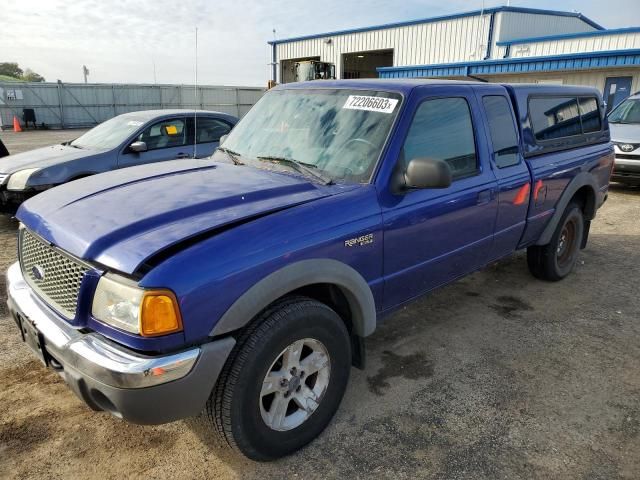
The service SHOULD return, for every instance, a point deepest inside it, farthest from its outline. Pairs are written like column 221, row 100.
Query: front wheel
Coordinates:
column 556, row 260
column 284, row 380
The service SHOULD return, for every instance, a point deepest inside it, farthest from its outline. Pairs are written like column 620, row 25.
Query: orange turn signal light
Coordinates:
column 159, row 313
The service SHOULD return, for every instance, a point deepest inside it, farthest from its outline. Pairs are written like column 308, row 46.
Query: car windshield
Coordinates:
column 108, row 134
column 338, row 134
column 627, row 112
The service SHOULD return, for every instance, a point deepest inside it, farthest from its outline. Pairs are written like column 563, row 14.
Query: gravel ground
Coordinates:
column 496, row 376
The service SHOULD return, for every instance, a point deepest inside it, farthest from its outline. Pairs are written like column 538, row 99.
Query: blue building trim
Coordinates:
column 565, row 36
column 441, row 18
column 490, row 41
column 553, row 63
column 274, row 63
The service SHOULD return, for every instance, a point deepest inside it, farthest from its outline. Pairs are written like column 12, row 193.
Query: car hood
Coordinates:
column 42, row 157
column 119, row 219
column 625, row 132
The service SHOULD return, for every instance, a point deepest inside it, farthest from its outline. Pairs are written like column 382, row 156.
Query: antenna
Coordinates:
column 195, row 94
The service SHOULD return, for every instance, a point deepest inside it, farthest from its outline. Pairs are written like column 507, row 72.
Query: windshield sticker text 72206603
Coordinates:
column 371, row 104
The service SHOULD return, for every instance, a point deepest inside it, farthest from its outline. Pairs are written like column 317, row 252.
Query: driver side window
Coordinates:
column 165, row 134
column 442, row 130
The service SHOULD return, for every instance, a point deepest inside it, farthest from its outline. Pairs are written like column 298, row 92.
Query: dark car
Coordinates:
column 130, row 139
column 249, row 291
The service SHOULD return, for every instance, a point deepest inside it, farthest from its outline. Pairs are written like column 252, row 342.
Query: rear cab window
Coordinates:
column 502, row 129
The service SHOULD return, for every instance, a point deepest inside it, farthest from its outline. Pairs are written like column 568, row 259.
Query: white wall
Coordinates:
column 591, row 78
column 447, row 41
column 523, row 25
column 594, row 43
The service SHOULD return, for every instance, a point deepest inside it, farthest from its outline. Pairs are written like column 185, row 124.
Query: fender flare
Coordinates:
column 298, row 275
column 583, row 179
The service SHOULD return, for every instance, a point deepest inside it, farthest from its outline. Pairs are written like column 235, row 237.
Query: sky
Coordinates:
column 153, row 41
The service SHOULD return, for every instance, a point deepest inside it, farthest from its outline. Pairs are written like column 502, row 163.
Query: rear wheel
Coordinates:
column 284, row 380
column 556, row 260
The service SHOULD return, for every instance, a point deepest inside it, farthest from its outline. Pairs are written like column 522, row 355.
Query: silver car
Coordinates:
column 624, row 121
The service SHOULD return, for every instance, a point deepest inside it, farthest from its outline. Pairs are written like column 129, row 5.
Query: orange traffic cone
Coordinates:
column 16, row 124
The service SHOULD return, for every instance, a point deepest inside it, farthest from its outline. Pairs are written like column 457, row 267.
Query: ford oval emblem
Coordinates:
column 38, row 272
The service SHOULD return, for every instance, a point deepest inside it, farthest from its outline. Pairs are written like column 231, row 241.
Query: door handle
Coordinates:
column 485, row 196
column 182, row 155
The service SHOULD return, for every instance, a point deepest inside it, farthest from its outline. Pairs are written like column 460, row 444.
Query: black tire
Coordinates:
column 556, row 260
column 234, row 407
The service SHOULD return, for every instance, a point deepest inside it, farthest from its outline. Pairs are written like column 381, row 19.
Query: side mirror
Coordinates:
column 223, row 138
column 138, row 147
column 427, row 173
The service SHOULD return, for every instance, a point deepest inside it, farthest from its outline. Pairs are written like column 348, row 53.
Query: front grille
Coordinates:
column 624, row 156
column 54, row 275
column 3, row 177
column 634, row 145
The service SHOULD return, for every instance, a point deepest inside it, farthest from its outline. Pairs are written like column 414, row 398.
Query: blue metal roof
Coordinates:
column 552, row 63
column 597, row 33
column 444, row 17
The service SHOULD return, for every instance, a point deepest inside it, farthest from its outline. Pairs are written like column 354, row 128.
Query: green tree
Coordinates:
column 31, row 76
column 10, row 69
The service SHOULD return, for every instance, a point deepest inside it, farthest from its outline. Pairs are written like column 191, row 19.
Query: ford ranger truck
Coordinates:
column 243, row 285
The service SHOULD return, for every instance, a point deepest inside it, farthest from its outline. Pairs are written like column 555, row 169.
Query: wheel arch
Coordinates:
column 582, row 188
column 328, row 281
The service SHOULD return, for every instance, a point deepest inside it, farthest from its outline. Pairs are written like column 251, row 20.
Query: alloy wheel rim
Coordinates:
column 295, row 384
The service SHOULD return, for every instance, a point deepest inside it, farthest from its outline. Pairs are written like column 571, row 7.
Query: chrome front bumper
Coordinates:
column 90, row 353
column 139, row 388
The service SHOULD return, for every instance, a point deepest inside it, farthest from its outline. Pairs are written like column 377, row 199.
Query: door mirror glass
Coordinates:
column 427, row 173
column 138, row 147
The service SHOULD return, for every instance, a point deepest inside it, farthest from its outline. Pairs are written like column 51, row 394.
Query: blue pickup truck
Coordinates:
column 244, row 285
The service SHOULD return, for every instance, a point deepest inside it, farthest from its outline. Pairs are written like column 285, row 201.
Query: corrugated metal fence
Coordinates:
column 69, row 105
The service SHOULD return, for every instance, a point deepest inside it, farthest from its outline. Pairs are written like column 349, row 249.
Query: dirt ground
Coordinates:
column 496, row 376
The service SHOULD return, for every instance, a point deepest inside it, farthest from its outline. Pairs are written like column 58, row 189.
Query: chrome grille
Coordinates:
column 3, row 177
column 53, row 275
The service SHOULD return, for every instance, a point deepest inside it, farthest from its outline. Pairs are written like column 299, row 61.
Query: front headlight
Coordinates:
column 18, row 180
column 121, row 303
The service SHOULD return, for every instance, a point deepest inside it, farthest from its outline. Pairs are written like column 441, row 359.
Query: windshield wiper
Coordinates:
column 232, row 155
column 302, row 167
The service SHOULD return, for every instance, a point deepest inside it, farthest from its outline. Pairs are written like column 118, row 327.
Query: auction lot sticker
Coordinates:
column 371, row 104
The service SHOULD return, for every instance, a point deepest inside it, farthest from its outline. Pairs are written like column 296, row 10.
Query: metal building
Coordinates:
column 502, row 44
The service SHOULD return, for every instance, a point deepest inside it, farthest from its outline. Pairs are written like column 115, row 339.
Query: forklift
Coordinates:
column 314, row 70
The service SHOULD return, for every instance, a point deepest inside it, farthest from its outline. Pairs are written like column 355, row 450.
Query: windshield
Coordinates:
column 108, row 134
column 627, row 112
column 337, row 133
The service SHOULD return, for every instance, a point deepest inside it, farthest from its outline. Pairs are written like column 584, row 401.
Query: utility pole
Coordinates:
column 85, row 72
column 155, row 81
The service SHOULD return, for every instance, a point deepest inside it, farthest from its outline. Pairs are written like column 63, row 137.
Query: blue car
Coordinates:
column 249, row 290
column 126, row 140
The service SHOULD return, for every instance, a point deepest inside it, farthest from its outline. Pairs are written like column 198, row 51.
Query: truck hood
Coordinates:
column 119, row 219
column 43, row 157
column 625, row 132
